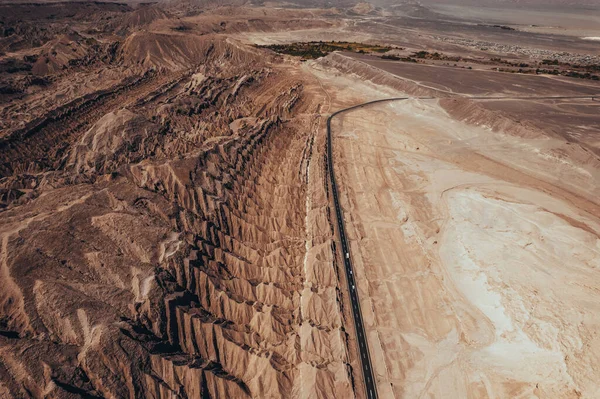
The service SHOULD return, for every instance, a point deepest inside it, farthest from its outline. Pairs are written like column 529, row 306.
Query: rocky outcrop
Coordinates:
column 117, row 138
column 172, row 248
column 350, row 66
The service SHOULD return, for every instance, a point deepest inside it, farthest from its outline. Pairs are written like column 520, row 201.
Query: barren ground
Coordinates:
column 166, row 224
column 471, row 255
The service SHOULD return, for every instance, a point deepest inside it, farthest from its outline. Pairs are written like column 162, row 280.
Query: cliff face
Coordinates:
column 164, row 243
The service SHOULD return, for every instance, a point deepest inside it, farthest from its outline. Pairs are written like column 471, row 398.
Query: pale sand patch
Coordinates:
column 498, row 253
column 475, row 263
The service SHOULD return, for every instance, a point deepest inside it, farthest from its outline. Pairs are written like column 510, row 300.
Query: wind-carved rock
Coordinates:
column 160, row 246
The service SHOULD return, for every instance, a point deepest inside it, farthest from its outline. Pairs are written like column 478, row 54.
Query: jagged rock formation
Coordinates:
column 159, row 238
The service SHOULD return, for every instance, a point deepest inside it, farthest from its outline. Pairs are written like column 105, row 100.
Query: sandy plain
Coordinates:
column 476, row 250
column 541, row 19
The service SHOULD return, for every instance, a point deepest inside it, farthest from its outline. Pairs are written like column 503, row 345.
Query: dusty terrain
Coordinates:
column 163, row 230
column 166, row 222
column 474, row 237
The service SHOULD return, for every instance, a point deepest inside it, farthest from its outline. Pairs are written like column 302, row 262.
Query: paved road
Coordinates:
column 361, row 336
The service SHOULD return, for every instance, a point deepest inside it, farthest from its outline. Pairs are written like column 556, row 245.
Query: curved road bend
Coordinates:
column 363, row 347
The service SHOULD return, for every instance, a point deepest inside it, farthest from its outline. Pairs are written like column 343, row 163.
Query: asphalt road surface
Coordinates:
column 361, row 336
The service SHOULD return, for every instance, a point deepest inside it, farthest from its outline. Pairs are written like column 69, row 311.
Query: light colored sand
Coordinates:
column 477, row 254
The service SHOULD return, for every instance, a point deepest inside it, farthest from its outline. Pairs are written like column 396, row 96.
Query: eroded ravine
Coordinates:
column 204, row 267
